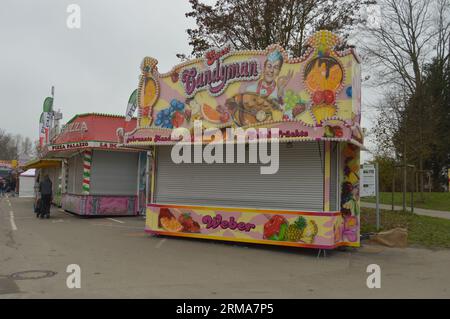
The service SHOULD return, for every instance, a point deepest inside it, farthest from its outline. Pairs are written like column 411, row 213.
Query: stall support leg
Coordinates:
column 322, row 251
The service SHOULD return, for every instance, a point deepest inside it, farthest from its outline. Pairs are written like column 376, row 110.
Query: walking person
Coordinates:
column 2, row 187
column 45, row 188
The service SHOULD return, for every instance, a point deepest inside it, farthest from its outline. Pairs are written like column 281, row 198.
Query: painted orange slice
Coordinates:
column 210, row 114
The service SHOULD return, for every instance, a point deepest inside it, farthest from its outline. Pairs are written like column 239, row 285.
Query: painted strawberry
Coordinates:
column 275, row 228
column 177, row 119
column 329, row 96
column 338, row 131
column 318, row 97
column 189, row 225
column 299, row 108
column 187, row 114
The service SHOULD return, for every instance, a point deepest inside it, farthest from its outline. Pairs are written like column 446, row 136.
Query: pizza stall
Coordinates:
column 307, row 108
column 98, row 176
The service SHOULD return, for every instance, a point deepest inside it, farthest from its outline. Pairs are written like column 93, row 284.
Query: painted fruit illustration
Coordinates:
column 150, row 92
column 298, row 109
column 171, row 224
column 189, row 225
column 328, row 96
column 210, row 114
column 323, row 111
column 328, row 131
column 295, row 230
column 276, row 228
column 247, row 108
column 338, row 131
column 323, row 73
column 177, row 119
column 310, row 232
column 164, row 213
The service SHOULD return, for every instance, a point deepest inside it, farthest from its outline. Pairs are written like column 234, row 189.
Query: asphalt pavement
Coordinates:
column 118, row 260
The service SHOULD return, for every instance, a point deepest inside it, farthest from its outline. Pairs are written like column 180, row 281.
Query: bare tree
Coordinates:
column 443, row 31
column 8, row 148
column 400, row 47
column 255, row 24
column 400, row 44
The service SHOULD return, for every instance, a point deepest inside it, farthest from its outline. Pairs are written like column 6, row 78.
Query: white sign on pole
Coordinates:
column 367, row 180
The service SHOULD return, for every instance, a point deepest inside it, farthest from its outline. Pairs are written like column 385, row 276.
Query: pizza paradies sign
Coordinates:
column 318, row 92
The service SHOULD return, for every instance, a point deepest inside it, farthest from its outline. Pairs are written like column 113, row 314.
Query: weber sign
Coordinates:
column 367, row 180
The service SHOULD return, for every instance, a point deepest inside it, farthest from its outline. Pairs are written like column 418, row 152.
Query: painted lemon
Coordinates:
column 150, row 92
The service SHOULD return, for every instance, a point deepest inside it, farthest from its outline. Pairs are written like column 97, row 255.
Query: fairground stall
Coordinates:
column 98, row 176
column 305, row 194
column 52, row 168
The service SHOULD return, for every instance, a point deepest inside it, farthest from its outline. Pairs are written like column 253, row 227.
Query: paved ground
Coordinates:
column 118, row 260
column 418, row 211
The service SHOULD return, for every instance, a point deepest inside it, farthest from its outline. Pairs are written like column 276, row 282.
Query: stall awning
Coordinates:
column 41, row 163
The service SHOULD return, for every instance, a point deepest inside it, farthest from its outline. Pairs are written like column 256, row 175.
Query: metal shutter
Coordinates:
column 298, row 184
column 54, row 174
column 75, row 178
column 334, row 184
column 114, row 173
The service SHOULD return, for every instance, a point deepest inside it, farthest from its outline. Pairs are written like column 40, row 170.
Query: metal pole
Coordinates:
column 404, row 187
column 412, row 195
column 377, row 189
column 393, row 188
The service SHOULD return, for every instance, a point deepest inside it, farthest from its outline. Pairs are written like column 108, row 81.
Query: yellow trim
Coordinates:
column 154, row 168
column 253, row 241
column 326, row 193
column 42, row 163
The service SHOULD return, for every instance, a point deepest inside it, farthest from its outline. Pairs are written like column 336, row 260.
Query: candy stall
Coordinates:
column 291, row 180
column 98, row 178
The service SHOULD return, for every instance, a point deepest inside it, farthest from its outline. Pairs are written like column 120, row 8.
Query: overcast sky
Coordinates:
column 94, row 68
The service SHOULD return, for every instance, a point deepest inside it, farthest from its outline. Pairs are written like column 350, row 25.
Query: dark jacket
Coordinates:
column 45, row 187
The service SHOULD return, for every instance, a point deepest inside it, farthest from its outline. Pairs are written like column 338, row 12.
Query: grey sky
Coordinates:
column 95, row 68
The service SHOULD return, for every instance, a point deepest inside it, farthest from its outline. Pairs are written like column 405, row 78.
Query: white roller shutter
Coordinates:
column 114, row 173
column 297, row 185
column 75, row 175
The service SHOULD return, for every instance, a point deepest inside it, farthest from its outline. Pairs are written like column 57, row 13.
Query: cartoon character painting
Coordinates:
column 271, row 84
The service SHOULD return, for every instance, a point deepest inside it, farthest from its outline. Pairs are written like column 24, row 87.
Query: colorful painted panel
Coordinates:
column 350, row 201
column 301, row 229
column 94, row 205
column 228, row 88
